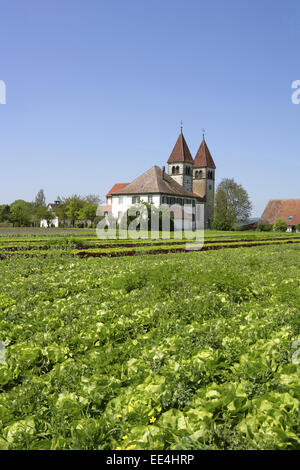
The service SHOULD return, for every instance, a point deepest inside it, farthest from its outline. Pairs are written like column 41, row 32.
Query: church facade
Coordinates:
column 187, row 180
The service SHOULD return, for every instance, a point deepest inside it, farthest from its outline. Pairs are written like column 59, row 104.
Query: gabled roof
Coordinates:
column 203, row 157
column 180, row 152
column 282, row 209
column 52, row 207
column 156, row 181
column 116, row 187
column 106, row 207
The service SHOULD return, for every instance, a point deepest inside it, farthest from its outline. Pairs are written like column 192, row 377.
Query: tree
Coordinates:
column 42, row 213
column 72, row 211
column 88, row 212
column 264, row 227
column 232, row 204
column 279, row 225
column 93, row 199
column 77, row 207
column 21, row 212
column 4, row 212
column 40, row 199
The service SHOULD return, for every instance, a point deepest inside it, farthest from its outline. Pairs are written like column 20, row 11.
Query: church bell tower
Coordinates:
column 180, row 163
column 204, row 180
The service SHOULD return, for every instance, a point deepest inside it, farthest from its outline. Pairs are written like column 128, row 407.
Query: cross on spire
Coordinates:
column 181, row 126
column 203, row 133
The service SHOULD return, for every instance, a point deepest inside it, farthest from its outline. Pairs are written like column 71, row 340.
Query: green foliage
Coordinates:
column 279, row 225
column 42, row 213
column 264, row 227
column 4, row 212
column 232, row 203
column 40, row 199
column 21, row 213
column 175, row 352
column 88, row 212
column 221, row 224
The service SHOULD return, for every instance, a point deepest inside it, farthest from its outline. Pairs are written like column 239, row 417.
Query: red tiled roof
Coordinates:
column 116, row 187
column 282, row 209
column 203, row 157
column 180, row 152
column 106, row 207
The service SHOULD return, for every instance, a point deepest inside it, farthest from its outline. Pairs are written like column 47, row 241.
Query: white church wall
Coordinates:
column 119, row 206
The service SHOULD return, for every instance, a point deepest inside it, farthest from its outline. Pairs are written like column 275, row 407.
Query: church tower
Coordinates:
column 180, row 163
column 204, row 180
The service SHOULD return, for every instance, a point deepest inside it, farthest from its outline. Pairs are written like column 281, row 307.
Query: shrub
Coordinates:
column 279, row 225
column 264, row 227
column 298, row 228
column 219, row 224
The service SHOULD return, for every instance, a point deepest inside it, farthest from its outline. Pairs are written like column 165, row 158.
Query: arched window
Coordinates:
column 173, row 170
column 197, row 174
column 177, row 170
column 200, row 174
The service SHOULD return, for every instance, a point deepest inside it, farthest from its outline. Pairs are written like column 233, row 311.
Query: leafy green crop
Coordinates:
column 180, row 351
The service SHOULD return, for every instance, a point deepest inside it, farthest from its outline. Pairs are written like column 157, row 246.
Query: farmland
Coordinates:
column 110, row 347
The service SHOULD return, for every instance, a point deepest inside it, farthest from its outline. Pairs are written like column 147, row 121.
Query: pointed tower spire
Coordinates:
column 180, row 152
column 203, row 157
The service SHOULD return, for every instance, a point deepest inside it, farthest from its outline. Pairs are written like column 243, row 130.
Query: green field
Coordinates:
column 192, row 350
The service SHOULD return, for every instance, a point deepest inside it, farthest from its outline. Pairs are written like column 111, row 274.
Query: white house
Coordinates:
column 54, row 222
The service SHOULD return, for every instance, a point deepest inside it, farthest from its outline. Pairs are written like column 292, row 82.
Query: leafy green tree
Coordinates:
column 232, row 204
column 4, row 212
column 264, row 227
column 72, row 211
column 93, row 199
column 21, row 213
column 220, row 224
column 40, row 199
column 88, row 212
column 42, row 213
column 280, row 225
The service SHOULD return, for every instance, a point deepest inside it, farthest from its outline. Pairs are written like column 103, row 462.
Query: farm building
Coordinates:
column 285, row 209
column 186, row 181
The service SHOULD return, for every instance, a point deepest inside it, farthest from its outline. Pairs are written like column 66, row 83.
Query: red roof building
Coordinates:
column 285, row 209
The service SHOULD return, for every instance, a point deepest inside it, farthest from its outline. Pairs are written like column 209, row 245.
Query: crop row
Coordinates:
column 152, row 353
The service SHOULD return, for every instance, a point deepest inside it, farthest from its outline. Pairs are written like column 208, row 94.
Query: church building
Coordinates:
column 187, row 180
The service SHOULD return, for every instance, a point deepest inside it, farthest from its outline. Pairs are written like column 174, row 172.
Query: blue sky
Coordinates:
column 96, row 90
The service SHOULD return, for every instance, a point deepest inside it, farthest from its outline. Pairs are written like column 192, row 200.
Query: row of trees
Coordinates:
column 75, row 209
